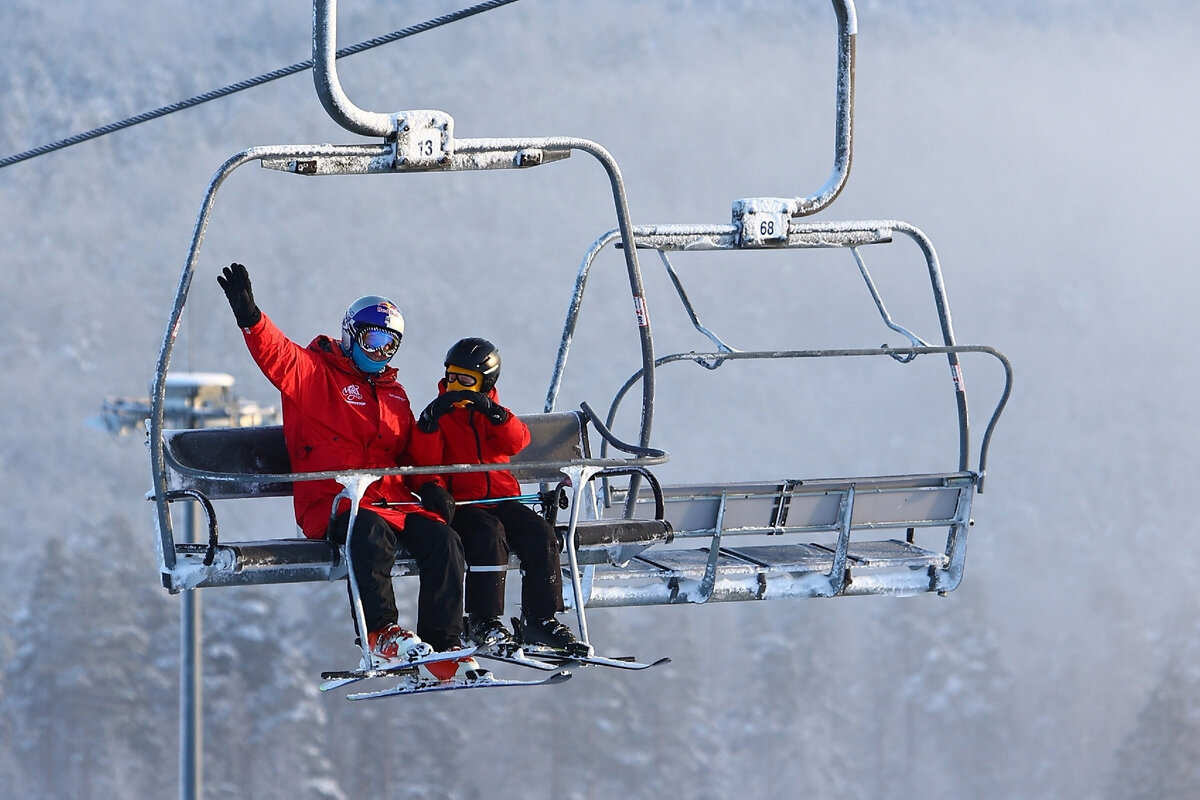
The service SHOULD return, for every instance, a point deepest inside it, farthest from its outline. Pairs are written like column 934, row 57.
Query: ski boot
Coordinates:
column 551, row 633
column 393, row 646
column 490, row 633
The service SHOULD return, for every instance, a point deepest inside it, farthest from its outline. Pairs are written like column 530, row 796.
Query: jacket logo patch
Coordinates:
column 352, row 394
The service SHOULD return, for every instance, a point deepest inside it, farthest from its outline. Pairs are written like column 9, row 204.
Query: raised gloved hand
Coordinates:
column 235, row 280
column 486, row 406
column 442, row 405
column 435, row 498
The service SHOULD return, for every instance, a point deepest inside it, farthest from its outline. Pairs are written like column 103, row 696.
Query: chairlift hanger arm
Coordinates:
column 844, row 125
column 750, row 213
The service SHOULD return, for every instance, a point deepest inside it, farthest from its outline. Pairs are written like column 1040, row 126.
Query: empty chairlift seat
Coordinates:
column 812, row 538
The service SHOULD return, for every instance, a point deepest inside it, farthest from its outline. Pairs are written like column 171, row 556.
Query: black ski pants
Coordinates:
column 488, row 533
column 438, row 551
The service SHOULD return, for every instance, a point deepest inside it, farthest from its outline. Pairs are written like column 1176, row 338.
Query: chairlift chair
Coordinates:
column 628, row 542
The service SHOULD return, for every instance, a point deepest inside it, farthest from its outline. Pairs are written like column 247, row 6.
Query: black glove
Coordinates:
column 435, row 498
column 235, row 280
column 486, row 406
column 442, row 405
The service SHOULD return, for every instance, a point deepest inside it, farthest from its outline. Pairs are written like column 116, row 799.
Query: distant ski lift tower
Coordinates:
column 192, row 400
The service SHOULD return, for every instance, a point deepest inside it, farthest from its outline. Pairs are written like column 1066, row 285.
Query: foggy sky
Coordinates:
column 1047, row 149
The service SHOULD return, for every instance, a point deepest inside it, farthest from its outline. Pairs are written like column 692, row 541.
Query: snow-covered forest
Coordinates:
column 1048, row 150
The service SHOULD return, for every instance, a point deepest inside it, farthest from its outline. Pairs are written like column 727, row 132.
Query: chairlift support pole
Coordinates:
column 198, row 400
column 191, row 668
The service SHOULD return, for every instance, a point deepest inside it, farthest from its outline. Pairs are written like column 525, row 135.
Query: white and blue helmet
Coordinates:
column 371, row 332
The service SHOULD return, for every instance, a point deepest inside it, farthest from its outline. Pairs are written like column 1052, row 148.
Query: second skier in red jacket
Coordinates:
column 466, row 424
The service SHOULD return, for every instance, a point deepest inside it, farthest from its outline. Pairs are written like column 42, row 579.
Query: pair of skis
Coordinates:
column 539, row 657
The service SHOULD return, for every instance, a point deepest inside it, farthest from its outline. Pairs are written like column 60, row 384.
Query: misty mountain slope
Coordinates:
column 1047, row 150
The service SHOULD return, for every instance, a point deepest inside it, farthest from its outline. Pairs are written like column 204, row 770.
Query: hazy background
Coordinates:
column 1048, row 149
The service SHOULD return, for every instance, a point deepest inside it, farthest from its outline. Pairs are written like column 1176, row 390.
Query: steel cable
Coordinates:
column 233, row 88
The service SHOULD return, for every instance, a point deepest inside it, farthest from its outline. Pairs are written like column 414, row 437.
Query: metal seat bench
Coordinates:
column 209, row 464
column 811, row 538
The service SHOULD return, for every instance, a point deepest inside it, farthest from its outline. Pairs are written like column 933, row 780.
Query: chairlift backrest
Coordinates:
column 236, row 463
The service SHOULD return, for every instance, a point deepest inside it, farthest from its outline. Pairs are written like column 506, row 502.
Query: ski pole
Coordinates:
column 522, row 498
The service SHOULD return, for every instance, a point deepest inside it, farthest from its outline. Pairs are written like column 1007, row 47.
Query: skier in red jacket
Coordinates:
column 466, row 424
column 344, row 409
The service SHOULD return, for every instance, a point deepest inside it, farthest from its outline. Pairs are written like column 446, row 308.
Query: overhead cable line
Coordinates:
column 403, row 33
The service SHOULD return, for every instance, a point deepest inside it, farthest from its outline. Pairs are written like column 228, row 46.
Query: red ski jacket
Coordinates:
column 337, row 417
column 464, row 436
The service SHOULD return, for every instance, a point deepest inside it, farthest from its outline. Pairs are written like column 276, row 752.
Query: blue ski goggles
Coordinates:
column 378, row 344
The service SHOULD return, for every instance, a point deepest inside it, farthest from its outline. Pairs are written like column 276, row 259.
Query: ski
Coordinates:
column 555, row 656
column 335, row 678
column 516, row 655
column 452, row 685
column 578, row 654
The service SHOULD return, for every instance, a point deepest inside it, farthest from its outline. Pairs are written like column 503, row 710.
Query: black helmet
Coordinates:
column 477, row 355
